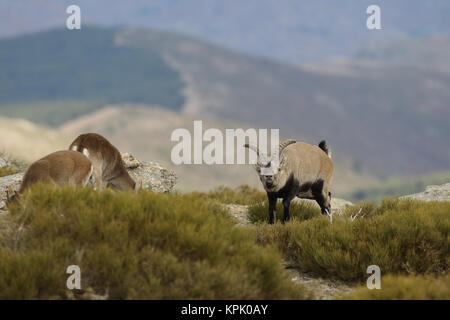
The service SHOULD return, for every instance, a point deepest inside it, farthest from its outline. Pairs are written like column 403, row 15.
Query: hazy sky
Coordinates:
column 289, row 30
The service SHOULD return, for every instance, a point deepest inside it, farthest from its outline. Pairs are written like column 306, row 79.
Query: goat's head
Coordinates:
column 269, row 168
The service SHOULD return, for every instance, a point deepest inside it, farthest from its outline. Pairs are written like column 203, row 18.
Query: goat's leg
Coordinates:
column 97, row 174
column 328, row 203
column 272, row 207
column 286, row 205
column 321, row 196
column 320, row 199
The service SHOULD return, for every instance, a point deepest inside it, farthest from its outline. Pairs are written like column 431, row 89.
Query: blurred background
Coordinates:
column 139, row 69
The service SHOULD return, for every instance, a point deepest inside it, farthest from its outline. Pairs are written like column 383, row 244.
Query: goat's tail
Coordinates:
column 323, row 145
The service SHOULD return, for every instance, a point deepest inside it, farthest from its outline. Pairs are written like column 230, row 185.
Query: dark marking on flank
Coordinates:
column 291, row 184
column 317, row 187
column 305, row 187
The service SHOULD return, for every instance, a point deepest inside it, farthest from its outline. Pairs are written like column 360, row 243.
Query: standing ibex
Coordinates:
column 304, row 171
column 109, row 169
column 61, row 167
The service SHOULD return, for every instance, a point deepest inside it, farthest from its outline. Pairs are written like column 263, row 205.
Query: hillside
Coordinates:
column 145, row 132
column 391, row 119
column 50, row 69
column 26, row 141
column 387, row 119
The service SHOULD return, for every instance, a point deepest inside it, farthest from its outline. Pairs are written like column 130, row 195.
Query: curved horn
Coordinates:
column 285, row 143
column 252, row 147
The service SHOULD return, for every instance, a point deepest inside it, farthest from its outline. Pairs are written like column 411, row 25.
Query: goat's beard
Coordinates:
column 273, row 188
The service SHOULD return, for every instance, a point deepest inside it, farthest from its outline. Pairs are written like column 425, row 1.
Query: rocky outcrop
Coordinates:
column 148, row 175
column 14, row 181
column 432, row 193
column 4, row 163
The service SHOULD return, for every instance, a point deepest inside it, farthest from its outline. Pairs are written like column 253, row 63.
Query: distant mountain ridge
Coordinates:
column 84, row 65
column 287, row 30
column 390, row 119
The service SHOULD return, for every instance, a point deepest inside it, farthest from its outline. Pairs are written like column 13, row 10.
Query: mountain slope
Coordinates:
column 388, row 118
column 393, row 119
column 27, row 141
column 145, row 131
column 85, row 65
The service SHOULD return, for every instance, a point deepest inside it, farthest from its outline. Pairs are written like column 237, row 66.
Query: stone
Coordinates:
column 432, row 193
column 4, row 163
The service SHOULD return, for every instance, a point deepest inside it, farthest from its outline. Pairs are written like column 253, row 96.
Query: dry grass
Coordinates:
column 412, row 287
column 401, row 237
column 135, row 246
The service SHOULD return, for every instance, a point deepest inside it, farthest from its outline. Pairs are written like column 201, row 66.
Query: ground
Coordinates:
column 323, row 289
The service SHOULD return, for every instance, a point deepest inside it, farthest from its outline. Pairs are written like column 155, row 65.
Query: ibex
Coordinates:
column 304, row 171
column 61, row 167
column 109, row 169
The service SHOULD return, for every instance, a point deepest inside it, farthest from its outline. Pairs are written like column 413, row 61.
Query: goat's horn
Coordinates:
column 252, row 147
column 285, row 143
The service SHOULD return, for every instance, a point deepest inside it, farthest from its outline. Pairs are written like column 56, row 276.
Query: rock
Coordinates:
column 4, row 163
column 14, row 181
column 336, row 203
column 149, row 175
column 432, row 193
column 240, row 213
column 129, row 161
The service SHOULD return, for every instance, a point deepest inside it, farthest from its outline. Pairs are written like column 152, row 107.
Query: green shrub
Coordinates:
column 405, row 288
column 244, row 195
column 7, row 171
column 259, row 212
column 135, row 245
column 398, row 236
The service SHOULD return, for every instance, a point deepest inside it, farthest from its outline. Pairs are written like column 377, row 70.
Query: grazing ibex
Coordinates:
column 304, row 171
column 109, row 169
column 61, row 167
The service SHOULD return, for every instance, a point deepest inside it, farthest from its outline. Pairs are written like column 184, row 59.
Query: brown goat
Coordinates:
column 61, row 167
column 305, row 171
column 109, row 169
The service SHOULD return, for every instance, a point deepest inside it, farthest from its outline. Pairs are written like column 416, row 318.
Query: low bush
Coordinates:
column 259, row 212
column 135, row 245
column 412, row 287
column 400, row 236
column 7, row 171
column 244, row 195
